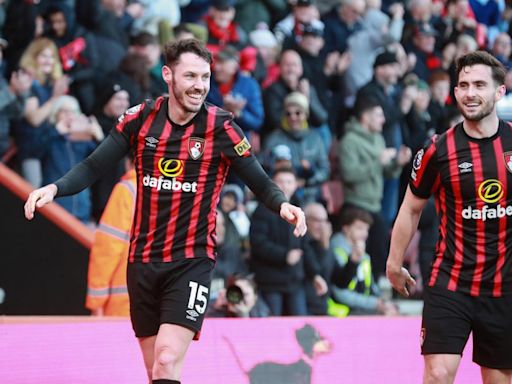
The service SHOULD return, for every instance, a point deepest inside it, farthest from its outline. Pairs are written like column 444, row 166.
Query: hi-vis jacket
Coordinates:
column 109, row 253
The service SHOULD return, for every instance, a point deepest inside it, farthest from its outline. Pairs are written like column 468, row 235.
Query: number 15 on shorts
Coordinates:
column 198, row 294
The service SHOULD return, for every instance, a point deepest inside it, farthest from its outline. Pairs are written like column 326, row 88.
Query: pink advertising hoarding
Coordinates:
column 273, row 350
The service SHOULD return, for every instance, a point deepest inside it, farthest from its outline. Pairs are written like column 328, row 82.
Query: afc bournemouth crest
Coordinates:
column 196, row 147
column 507, row 156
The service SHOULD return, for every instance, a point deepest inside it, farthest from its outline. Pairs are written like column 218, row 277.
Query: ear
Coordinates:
column 167, row 74
column 500, row 92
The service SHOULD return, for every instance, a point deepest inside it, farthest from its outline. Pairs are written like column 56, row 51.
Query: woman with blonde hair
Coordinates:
column 32, row 132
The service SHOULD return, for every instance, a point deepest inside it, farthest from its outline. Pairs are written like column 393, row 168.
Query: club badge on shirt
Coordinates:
column 507, row 156
column 196, row 147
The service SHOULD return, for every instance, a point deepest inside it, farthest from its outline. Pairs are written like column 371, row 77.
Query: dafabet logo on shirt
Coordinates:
column 490, row 191
column 171, row 169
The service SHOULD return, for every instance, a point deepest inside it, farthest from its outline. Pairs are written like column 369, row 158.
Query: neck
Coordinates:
column 177, row 114
column 486, row 127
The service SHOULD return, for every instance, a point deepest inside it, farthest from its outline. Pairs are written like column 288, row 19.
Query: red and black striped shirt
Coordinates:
column 472, row 183
column 180, row 173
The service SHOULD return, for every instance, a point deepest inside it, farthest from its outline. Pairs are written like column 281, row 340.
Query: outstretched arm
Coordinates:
column 82, row 175
column 404, row 229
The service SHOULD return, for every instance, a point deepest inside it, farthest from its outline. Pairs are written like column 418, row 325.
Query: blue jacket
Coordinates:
column 253, row 114
column 61, row 156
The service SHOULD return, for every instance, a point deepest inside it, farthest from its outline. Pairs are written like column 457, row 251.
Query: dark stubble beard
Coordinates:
column 181, row 99
column 486, row 111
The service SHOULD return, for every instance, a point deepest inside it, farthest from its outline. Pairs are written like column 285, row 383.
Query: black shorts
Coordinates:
column 449, row 317
column 169, row 293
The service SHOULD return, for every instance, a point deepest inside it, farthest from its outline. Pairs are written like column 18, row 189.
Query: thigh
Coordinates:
column 492, row 333
column 142, row 281
column 447, row 321
column 185, row 293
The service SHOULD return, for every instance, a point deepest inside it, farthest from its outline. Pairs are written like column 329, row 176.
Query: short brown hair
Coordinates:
column 484, row 58
column 349, row 214
column 438, row 76
column 174, row 50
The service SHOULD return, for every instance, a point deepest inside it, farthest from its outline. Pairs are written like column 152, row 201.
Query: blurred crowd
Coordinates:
column 335, row 97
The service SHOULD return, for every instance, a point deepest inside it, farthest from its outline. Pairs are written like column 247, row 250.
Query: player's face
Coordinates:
column 476, row 92
column 189, row 82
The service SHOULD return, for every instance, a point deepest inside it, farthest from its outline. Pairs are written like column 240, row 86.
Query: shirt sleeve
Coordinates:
column 237, row 150
column 109, row 152
column 424, row 178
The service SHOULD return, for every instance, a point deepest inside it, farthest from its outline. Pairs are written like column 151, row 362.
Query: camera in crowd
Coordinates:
column 234, row 294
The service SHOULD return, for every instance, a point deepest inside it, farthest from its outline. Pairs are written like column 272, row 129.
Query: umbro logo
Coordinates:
column 191, row 315
column 465, row 167
column 151, row 142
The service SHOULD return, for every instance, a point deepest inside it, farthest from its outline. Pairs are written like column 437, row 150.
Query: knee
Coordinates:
column 438, row 375
column 166, row 359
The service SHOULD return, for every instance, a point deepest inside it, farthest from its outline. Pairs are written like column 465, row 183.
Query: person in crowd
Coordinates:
column 33, row 132
column 281, row 262
column 13, row 94
column 72, row 138
column 77, row 52
column 309, row 157
column 239, row 298
column 365, row 162
column 290, row 80
column 107, row 293
column 319, row 236
column 238, row 93
column 353, row 288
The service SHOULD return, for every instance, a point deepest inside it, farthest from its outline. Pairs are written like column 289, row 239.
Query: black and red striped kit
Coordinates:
column 180, row 173
column 472, row 183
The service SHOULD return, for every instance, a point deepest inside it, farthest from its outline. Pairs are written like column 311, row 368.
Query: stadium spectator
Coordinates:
column 287, row 29
column 13, row 94
column 240, row 298
column 354, row 290
column 33, row 131
column 249, row 13
column 439, row 83
column 291, row 79
column 73, row 136
column 309, row 157
column 319, row 235
column 365, row 161
column 281, row 263
column 238, row 93
column 267, row 68
column 107, row 293
column 424, row 49
column 77, row 52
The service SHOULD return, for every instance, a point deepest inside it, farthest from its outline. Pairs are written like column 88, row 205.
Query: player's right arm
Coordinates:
column 109, row 152
column 405, row 227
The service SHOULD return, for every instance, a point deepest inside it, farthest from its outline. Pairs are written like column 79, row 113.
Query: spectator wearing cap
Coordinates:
column 341, row 22
column 290, row 80
column 382, row 87
column 249, row 13
column 237, row 93
column 423, row 47
column 147, row 46
column 267, row 67
column 279, row 157
column 223, row 30
column 309, row 157
column 111, row 104
column 13, row 94
column 287, row 29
